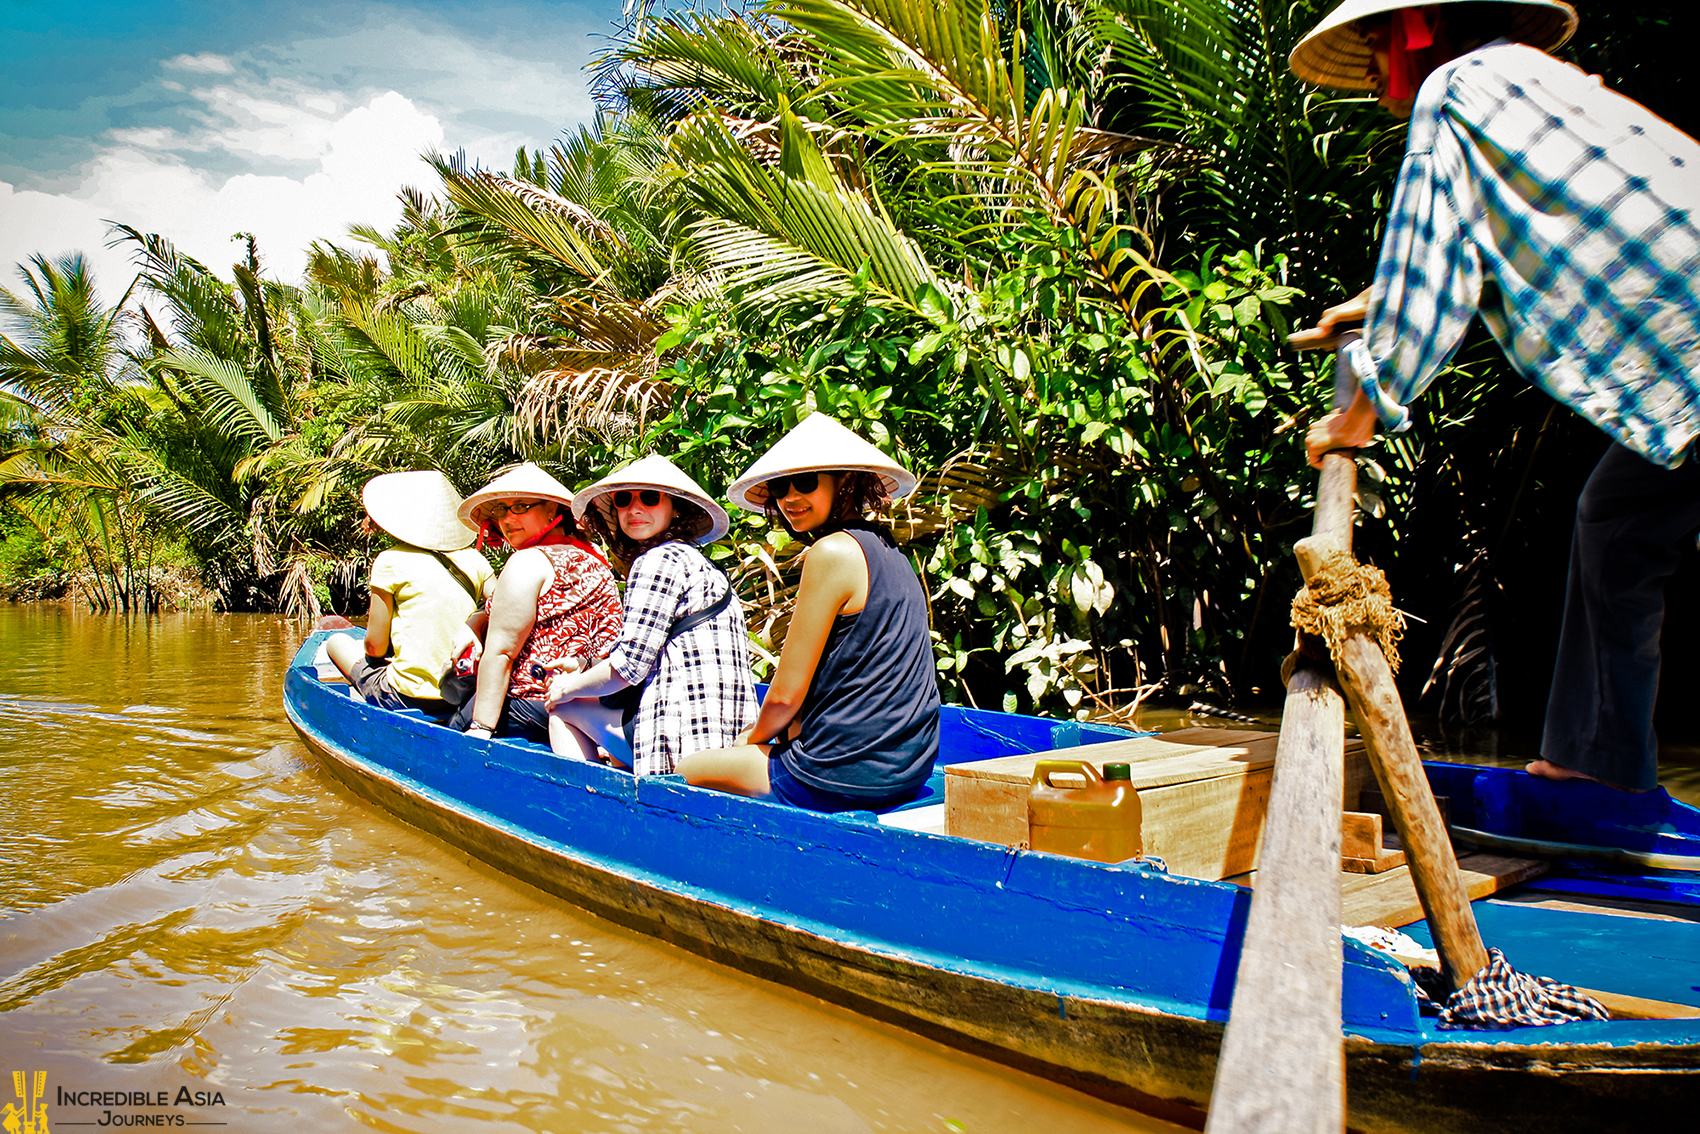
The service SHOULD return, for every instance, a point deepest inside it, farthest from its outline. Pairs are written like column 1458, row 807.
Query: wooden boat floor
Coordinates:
column 1390, row 899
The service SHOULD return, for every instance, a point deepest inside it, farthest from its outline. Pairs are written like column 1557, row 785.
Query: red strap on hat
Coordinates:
column 549, row 536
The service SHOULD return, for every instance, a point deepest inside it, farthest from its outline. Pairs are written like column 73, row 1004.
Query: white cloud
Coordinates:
column 205, row 62
column 53, row 225
column 358, row 161
column 295, row 142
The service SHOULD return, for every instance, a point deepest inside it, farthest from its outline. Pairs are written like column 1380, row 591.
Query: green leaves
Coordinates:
column 791, row 231
column 226, row 392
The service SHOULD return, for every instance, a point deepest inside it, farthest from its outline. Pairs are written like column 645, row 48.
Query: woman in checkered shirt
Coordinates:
column 678, row 680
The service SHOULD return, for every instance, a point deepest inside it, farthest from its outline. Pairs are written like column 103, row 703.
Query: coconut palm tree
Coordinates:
column 69, row 398
column 233, row 367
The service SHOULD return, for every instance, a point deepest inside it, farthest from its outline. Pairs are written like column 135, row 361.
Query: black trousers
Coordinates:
column 1631, row 523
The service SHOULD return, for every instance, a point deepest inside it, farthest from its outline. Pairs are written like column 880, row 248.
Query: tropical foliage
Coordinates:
column 1046, row 254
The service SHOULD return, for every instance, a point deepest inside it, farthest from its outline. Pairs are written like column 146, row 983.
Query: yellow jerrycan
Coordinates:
column 1099, row 821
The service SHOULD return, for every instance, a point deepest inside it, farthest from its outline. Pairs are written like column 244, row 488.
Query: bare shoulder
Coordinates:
column 527, row 566
column 836, row 568
column 836, row 552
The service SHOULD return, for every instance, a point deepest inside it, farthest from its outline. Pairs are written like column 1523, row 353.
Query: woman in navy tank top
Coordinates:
column 851, row 720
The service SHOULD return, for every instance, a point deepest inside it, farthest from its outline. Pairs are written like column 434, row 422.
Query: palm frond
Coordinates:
column 229, row 398
column 794, row 230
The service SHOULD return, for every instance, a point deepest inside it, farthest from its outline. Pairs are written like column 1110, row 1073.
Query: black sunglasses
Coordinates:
column 650, row 497
column 780, row 486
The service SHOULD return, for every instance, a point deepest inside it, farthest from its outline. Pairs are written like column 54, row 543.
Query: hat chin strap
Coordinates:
column 542, row 535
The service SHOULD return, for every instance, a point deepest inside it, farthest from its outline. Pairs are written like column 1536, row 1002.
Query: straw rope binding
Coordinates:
column 1344, row 596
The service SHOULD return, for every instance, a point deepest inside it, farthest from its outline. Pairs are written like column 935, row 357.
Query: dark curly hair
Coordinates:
column 858, row 495
column 689, row 522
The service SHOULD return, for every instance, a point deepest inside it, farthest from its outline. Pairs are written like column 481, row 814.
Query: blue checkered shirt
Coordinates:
column 699, row 691
column 1567, row 215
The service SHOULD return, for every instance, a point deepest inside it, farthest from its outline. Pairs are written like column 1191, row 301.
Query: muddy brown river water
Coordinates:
column 188, row 904
column 199, row 929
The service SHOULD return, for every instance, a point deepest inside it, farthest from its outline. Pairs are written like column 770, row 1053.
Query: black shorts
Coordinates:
column 627, row 701
column 371, row 679
column 520, row 717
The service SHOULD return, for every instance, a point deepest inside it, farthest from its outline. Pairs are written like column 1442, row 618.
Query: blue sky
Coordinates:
column 290, row 120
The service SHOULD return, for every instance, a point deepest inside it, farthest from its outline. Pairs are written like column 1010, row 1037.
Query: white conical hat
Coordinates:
column 523, row 482
column 1334, row 54
column 656, row 472
column 419, row 508
column 818, row 444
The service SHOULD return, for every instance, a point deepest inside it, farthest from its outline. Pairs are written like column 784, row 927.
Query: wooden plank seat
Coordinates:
column 1390, row 899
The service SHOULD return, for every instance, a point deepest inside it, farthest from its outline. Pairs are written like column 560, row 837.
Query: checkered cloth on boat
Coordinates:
column 1570, row 217
column 1501, row 997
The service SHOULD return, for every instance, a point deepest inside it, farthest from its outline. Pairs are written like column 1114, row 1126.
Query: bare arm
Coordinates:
column 835, row 581
column 1333, row 321
column 569, row 682
column 512, row 615
column 378, row 624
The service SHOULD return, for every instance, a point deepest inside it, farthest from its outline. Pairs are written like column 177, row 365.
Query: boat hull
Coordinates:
column 1111, row 981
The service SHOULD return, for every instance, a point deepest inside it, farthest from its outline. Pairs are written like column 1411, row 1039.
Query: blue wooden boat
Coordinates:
column 1115, row 980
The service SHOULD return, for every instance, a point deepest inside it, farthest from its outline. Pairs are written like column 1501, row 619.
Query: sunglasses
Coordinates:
column 804, row 482
column 498, row 509
column 648, row 496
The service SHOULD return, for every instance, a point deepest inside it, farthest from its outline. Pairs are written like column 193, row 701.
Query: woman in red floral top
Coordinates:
column 555, row 599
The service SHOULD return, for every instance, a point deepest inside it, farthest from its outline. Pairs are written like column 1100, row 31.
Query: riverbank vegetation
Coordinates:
column 1045, row 254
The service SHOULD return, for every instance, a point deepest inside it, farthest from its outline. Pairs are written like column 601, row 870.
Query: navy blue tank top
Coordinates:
column 870, row 722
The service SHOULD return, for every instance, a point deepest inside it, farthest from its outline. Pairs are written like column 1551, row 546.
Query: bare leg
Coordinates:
column 1546, row 769
column 741, row 770
column 568, row 742
column 579, row 726
column 345, row 651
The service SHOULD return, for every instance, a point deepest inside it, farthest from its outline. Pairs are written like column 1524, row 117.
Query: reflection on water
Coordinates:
column 187, row 900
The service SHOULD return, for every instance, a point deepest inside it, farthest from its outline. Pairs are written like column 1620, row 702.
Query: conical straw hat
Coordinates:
column 818, row 444
column 524, row 482
column 418, row 508
column 1335, row 54
column 656, row 472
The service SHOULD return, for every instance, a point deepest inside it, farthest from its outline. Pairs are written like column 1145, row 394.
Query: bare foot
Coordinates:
column 1546, row 769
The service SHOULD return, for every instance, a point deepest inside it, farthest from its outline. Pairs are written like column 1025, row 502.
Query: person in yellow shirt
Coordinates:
column 423, row 589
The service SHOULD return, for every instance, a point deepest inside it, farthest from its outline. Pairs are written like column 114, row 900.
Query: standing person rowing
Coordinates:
column 1566, row 214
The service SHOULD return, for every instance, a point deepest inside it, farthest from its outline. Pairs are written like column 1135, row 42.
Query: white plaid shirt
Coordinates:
column 1581, row 208
column 700, row 692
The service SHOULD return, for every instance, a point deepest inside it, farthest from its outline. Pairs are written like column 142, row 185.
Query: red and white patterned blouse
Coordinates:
column 578, row 615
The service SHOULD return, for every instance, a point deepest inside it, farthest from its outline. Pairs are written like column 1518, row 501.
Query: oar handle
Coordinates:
column 1331, row 527
column 1380, row 716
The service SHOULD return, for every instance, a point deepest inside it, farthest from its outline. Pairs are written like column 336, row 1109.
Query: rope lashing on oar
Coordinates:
column 1344, row 596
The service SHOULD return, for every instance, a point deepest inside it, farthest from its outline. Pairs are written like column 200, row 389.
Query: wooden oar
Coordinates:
column 1282, row 1065
column 1367, row 679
